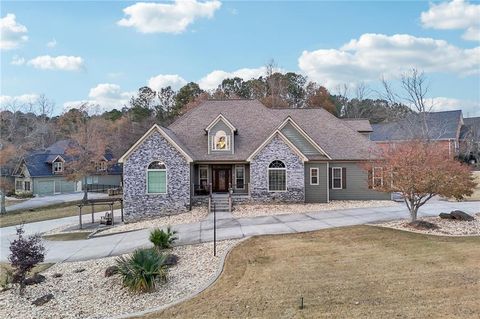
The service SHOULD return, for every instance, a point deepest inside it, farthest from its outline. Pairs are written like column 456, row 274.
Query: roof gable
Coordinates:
column 219, row 118
column 284, row 139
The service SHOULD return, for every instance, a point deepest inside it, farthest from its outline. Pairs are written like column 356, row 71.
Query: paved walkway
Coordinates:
column 43, row 201
column 227, row 228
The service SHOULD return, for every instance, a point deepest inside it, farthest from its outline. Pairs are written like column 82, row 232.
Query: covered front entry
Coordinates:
column 221, row 178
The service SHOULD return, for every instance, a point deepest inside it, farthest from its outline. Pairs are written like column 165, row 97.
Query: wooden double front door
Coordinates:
column 222, row 178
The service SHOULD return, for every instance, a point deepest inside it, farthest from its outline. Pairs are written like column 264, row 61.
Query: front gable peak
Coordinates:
column 222, row 118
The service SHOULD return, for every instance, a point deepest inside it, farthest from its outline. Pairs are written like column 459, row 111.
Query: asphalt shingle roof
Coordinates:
column 359, row 125
column 441, row 125
column 255, row 123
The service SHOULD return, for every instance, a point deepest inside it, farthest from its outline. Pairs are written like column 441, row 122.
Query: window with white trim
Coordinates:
column 314, row 176
column 18, row 185
column 203, row 177
column 377, row 177
column 337, row 178
column 157, row 178
column 240, row 177
column 101, row 166
column 26, row 186
column 57, row 167
column 277, row 177
column 221, row 141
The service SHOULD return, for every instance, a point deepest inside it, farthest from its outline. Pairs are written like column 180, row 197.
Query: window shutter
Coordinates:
column 370, row 176
column 344, row 177
column 330, row 176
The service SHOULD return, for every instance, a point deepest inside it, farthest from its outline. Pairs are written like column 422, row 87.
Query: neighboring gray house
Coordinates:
column 41, row 173
column 257, row 153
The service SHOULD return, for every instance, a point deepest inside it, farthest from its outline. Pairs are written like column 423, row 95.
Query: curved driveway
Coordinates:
column 227, row 228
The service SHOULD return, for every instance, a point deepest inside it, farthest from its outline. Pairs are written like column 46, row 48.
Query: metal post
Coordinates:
column 93, row 212
column 111, row 209
column 80, row 215
column 214, row 230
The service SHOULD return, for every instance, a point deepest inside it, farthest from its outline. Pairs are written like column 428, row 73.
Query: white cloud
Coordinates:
column 167, row 17
column 52, row 43
column 469, row 108
column 8, row 101
column 62, row 62
column 17, row 60
column 164, row 80
column 374, row 55
column 12, row 34
column 214, row 78
column 103, row 97
column 456, row 14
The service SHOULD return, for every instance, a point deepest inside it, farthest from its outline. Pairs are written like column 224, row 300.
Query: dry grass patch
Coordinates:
column 4, row 267
column 46, row 213
column 352, row 272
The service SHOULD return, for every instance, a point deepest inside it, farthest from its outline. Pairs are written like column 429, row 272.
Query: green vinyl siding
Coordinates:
column 299, row 140
column 316, row 193
column 356, row 184
column 157, row 181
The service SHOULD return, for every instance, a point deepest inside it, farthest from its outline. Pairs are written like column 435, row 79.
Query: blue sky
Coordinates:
column 104, row 51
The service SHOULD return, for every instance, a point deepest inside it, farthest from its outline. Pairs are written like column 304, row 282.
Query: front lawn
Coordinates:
column 46, row 213
column 351, row 272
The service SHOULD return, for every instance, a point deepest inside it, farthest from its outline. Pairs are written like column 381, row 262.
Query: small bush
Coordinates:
column 24, row 195
column 423, row 225
column 26, row 253
column 163, row 239
column 143, row 270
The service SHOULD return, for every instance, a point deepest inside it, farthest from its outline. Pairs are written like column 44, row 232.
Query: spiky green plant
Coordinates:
column 163, row 239
column 143, row 270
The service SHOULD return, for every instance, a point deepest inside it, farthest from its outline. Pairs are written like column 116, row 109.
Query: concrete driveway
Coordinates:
column 37, row 202
column 227, row 228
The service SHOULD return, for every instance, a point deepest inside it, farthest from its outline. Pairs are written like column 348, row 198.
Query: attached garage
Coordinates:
column 45, row 188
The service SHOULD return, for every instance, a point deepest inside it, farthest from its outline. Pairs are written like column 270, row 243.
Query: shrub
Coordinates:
column 163, row 239
column 143, row 270
column 26, row 253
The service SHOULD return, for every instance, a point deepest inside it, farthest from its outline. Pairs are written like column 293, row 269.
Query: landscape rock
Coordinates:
column 35, row 279
column 171, row 260
column 459, row 215
column 422, row 224
column 110, row 271
column 57, row 275
column 78, row 270
column 445, row 216
column 42, row 300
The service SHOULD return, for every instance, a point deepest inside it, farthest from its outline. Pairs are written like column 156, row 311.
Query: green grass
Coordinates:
column 67, row 236
column 48, row 212
column 348, row 272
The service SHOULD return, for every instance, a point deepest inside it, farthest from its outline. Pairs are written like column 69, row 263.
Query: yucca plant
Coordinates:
column 163, row 239
column 143, row 270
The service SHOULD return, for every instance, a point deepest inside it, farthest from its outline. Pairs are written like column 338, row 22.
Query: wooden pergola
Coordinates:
column 95, row 202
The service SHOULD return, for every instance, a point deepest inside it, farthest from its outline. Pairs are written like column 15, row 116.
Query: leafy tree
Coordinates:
column 112, row 115
column 319, row 97
column 188, row 93
column 166, row 104
column 420, row 170
column 25, row 254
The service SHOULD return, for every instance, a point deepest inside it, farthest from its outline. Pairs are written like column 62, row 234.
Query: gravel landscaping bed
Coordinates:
column 89, row 294
column 446, row 227
column 253, row 210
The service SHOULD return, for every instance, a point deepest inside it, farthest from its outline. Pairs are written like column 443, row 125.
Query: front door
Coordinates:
column 221, row 179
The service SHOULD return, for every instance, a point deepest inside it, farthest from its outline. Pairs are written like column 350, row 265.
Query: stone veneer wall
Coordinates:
column 277, row 149
column 139, row 204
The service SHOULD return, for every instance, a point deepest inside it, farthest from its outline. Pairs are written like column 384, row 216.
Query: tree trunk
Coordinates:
column 85, row 191
column 3, row 210
column 413, row 213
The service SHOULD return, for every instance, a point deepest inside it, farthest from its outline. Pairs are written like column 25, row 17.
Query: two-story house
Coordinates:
column 257, row 153
column 42, row 173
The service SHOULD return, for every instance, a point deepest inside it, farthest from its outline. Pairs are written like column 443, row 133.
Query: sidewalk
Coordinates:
column 227, row 228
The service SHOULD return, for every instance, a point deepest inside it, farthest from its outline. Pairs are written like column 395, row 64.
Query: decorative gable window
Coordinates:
column 101, row 166
column 157, row 178
column 221, row 141
column 277, row 177
column 57, row 167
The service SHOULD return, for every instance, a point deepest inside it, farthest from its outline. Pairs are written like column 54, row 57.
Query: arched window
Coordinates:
column 221, row 141
column 157, row 178
column 277, row 177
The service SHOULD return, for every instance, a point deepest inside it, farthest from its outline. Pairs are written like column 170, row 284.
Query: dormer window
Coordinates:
column 221, row 141
column 101, row 166
column 57, row 167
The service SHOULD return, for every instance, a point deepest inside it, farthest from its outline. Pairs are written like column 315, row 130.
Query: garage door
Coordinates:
column 45, row 188
column 67, row 186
